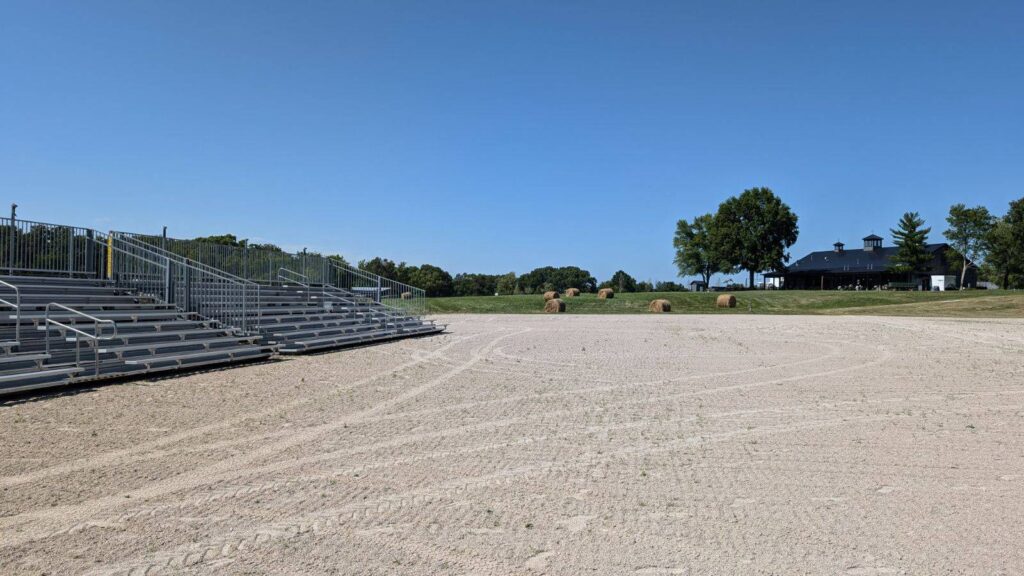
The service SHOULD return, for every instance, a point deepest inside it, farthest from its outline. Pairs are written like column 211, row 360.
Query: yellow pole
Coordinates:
column 110, row 256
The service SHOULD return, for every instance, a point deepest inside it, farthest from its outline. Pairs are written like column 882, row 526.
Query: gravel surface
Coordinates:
column 544, row 444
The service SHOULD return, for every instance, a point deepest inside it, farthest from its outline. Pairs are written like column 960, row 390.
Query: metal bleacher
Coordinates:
column 328, row 305
column 78, row 305
column 316, row 317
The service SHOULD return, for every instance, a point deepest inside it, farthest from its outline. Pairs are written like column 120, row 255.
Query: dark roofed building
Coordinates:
column 868, row 268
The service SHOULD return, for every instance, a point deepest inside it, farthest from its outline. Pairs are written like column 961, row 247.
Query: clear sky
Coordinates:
column 505, row 135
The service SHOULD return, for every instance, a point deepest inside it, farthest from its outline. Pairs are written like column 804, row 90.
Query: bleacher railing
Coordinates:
column 217, row 282
column 215, row 295
column 263, row 265
column 51, row 249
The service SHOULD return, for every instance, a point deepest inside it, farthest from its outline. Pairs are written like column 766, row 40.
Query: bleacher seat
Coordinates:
column 150, row 336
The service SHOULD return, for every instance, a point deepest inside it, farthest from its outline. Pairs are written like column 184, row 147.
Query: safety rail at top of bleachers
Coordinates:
column 16, row 305
column 262, row 263
column 28, row 247
column 192, row 286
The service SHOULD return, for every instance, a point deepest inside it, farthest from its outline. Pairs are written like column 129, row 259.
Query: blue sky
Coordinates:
column 498, row 136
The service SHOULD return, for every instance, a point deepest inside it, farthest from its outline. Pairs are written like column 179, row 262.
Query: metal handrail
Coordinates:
column 285, row 278
column 262, row 265
column 247, row 286
column 96, row 336
column 164, row 253
column 390, row 314
column 17, row 308
column 418, row 293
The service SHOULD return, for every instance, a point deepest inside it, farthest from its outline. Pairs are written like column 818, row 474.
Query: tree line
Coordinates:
column 751, row 232
column 438, row 282
column 754, row 230
column 976, row 237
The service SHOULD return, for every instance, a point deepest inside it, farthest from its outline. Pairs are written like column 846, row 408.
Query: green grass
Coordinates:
column 966, row 304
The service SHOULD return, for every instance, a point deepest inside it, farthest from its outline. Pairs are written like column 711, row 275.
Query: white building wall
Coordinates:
column 944, row 282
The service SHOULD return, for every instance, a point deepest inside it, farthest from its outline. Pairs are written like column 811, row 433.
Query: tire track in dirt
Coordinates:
column 331, row 521
column 280, row 466
column 29, row 526
column 122, row 456
column 276, row 486
column 611, row 385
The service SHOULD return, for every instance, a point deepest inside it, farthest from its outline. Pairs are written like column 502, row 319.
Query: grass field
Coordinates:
column 967, row 304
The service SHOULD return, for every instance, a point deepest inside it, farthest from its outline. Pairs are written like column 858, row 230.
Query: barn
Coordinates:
column 868, row 268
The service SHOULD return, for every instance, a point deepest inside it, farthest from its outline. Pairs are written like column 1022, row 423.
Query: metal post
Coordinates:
column 168, row 288
column 90, row 251
column 245, row 309
column 163, row 240
column 71, row 252
column 10, row 245
column 188, row 289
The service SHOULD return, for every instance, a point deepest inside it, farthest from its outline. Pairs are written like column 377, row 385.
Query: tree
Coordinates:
column 1006, row 244
column 696, row 253
column 380, row 267
column 668, row 286
column 506, row 284
column 910, row 239
column 968, row 235
column 559, row 279
column 339, row 259
column 222, row 239
column 574, row 277
column 752, row 231
column 620, row 281
column 432, row 279
column 644, row 286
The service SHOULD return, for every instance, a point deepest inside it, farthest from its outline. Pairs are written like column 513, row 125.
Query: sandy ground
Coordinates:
column 560, row 445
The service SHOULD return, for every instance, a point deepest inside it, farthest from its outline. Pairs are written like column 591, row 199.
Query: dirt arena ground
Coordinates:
column 531, row 445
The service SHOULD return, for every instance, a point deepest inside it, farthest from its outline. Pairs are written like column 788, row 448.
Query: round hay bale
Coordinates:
column 605, row 293
column 660, row 305
column 554, row 306
column 572, row 292
column 406, row 295
column 550, row 295
column 726, row 301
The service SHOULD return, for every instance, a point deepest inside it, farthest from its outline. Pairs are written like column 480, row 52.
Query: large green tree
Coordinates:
column 506, row 284
column 475, row 284
column 910, row 238
column 696, row 252
column 432, row 279
column 968, row 235
column 753, row 231
column 222, row 239
column 1006, row 244
column 620, row 281
column 381, row 267
column 551, row 278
